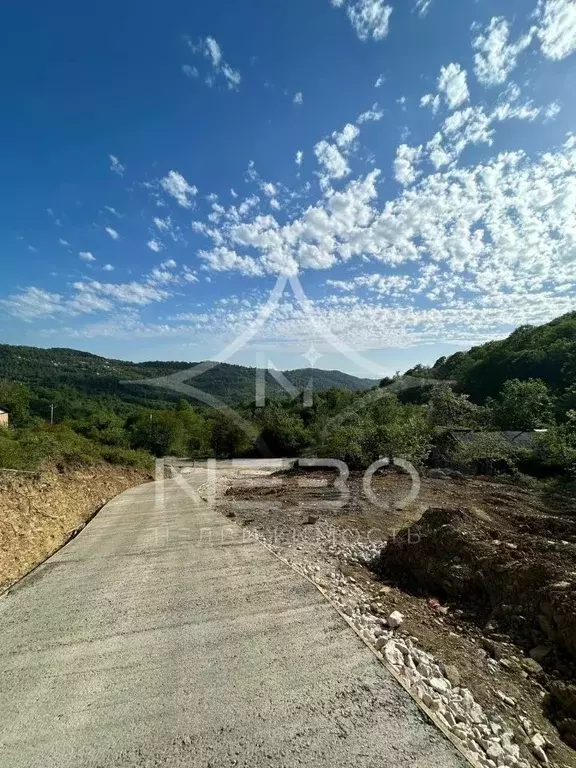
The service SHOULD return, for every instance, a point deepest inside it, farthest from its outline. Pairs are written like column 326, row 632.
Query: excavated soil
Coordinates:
column 39, row 512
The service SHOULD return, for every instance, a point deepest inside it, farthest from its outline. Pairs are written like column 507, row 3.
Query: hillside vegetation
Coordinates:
column 524, row 383
column 101, row 377
column 546, row 352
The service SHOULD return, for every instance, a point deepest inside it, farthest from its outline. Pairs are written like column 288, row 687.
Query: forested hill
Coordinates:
column 546, row 352
column 99, row 376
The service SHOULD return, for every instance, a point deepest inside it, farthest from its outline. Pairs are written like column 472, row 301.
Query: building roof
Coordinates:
column 514, row 437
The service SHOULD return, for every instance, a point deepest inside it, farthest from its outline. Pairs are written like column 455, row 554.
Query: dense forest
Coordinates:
column 109, row 379
column 546, row 352
column 525, row 383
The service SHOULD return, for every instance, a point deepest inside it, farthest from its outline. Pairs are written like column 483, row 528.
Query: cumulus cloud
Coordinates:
column 370, row 18
column 453, row 86
column 371, row 115
column 299, row 157
column 298, row 98
column 177, row 187
column 405, row 162
column 495, row 56
column 112, row 232
column 346, row 136
column 108, row 268
column 430, row 100
column 86, row 256
column 334, row 165
column 557, row 29
column 155, row 245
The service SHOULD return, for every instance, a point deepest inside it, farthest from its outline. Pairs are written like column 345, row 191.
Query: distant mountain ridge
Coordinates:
column 95, row 375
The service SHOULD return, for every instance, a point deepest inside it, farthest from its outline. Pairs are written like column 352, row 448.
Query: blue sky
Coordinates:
column 364, row 184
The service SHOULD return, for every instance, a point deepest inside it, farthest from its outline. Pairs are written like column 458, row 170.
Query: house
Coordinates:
column 483, row 452
column 4, row 418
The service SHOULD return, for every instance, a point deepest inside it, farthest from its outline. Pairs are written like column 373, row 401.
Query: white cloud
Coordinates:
column 298, row 98
column 223, row 259
column 552, row 111
column 496, row 56
column 63, row 242
column 370, row 18
column 347, row 136
column 191, row 72
column 557, row 30
column 299, row 157
column 473, row 125
column 169, row 264
column 371, row 115
column 108, row 268
column 406, row 158
column 452, row 84
column 116, row 166
column 428, row 100
column 233, row 77
column 113, row 211
column 213, row 51
column 268, row 188
column 380, row 81
column 32, row 303
column 155, row 245
column 112, row 232
column 124, row 293
column 333, row 163
column 422, row 7
column 177, row 187
column 86, row 256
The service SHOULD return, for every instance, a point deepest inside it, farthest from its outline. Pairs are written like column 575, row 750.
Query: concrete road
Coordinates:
column 144, row 642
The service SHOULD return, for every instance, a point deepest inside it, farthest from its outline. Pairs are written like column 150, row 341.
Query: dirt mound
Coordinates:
column 520, row 576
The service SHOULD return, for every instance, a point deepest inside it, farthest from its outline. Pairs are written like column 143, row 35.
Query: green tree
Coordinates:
column 15, row 398
column 228, row 438
column 523, row 405
column 449, row 409
column 283, row 433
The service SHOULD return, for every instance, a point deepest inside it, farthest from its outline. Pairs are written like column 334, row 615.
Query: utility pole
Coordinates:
column 52, row 414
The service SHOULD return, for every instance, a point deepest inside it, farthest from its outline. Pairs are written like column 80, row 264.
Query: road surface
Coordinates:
column 158, row 637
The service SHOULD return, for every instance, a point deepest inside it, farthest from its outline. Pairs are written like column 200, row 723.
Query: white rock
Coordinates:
column 527, row 725
column 392, row 654
column 395, row 619
column 425, row 670
column 440, row 684
column 541, row 755
column 538, row 740
column 494, row 751
column 506, row 699
column 475, row 715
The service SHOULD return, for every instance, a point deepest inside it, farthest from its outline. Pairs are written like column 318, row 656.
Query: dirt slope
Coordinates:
column 40, row 511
